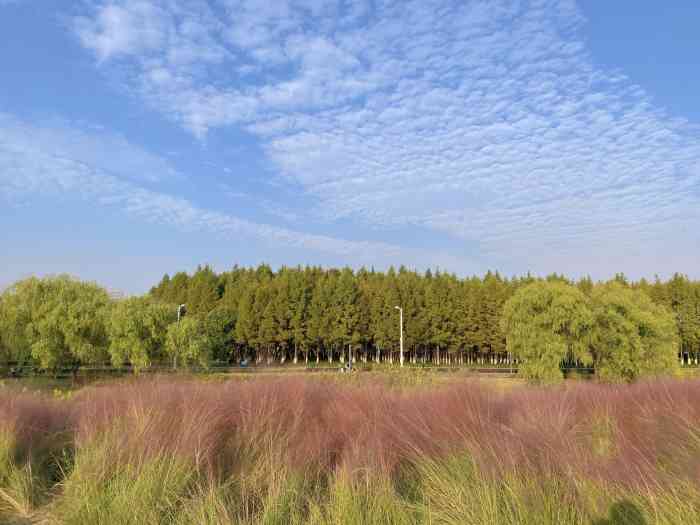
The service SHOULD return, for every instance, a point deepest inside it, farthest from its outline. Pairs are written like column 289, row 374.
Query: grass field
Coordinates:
column 362, row 448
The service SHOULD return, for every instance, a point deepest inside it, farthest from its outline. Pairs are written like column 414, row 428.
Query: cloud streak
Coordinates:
column 59, row 159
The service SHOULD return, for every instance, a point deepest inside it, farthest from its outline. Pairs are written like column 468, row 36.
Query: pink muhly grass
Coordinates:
column 33, row 423
column 640, row 435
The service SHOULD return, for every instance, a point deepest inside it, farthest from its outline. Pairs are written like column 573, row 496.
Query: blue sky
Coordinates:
column 145, row 136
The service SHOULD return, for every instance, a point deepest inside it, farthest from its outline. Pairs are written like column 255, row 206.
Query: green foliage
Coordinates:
column 56, row 320
column 218, row 327
column 137, row 330
column 631, row 337
column 440, row 303
column 202, row 291
column 320, row 314
column 682, row 297
column 275, row 315
column 187, row 342
column 545, row 323
column 248, row 317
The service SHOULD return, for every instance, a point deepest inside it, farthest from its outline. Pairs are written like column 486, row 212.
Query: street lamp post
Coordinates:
column 400, row 334
column 179, row 312
column 180, row 308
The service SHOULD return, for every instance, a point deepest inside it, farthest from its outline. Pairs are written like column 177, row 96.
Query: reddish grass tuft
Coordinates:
column 644, row 434
column 31, row 423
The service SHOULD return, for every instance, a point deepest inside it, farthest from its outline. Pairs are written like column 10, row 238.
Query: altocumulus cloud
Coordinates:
column 484, row 120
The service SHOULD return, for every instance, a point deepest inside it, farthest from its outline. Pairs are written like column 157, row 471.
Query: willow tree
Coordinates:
column 632, row 337
column 187, row 343
column 58, row 320
column 545, row 323
column 136, row 329
column 15, row 315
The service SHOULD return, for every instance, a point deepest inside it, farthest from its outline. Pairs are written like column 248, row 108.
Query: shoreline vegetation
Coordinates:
column 343, row 450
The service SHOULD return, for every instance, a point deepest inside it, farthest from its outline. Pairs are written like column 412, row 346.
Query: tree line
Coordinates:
column 311, row 314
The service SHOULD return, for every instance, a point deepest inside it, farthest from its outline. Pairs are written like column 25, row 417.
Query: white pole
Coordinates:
column 400, row 334
column 179, row 309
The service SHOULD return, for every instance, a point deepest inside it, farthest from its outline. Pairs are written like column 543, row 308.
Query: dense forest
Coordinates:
column 300, row 315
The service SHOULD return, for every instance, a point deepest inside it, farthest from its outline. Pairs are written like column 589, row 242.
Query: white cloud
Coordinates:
column 57, row 159
column 72, row 143
column 134, row 27
column 485, row 120
column 177, row 35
